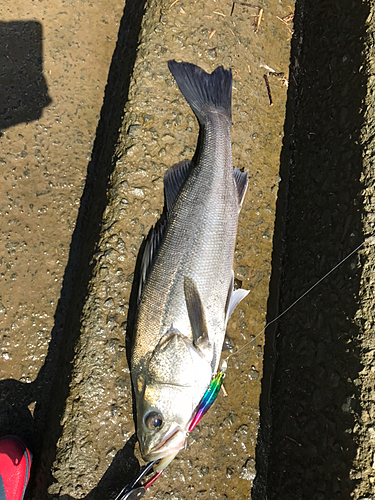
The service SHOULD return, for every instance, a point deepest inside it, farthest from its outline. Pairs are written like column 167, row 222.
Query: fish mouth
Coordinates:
column 167, row 449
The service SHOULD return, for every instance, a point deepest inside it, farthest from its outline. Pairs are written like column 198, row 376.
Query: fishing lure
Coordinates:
column 208, row 399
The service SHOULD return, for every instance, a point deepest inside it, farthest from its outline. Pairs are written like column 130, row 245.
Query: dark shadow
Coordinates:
column 23, row 89
column 309, row 393
column 122, row 470
column 51, row 388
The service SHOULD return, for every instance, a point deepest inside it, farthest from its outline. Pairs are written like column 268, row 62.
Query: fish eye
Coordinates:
column 153, row 420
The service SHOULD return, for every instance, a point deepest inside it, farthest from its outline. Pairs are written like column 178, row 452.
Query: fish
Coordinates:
column 186, row 286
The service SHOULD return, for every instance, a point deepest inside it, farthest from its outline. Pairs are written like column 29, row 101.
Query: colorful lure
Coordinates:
column 207, row 400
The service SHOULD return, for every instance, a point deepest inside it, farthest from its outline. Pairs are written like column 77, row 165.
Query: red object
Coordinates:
column 150, row 481
column 15, row 464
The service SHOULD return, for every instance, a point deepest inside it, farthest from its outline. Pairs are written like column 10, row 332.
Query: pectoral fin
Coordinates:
column 196, row 314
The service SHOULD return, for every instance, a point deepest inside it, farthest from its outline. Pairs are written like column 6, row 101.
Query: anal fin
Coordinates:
column 234, row 297
column 227, row 344
column 241, row 181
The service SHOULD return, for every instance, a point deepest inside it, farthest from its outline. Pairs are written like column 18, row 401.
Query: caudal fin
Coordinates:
column 204, row 91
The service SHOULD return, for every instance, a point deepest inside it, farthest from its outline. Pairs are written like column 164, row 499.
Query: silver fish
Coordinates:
column 186, row 293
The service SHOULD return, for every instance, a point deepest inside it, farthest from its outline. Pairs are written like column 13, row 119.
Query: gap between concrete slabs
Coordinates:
column 158, row 130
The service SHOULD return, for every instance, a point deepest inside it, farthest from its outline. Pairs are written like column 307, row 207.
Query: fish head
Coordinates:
column 175, row 381
column 162, row 423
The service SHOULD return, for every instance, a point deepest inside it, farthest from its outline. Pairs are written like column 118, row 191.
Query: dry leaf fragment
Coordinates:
column 259, row 20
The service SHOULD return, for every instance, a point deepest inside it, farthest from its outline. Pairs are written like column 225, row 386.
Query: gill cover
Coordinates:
column 177, row 362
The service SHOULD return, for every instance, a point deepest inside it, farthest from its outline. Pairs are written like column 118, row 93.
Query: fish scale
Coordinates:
column 190, row 250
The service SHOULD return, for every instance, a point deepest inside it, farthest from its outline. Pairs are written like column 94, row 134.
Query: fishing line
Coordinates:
column 225, row 361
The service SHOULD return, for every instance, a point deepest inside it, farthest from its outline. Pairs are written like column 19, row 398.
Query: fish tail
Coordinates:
column 203, row 91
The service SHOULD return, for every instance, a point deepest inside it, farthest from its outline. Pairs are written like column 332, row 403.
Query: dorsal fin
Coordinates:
column 174, row 178
column 196, row 314
column 241, row 181
column 234, row 297
column 153, row 241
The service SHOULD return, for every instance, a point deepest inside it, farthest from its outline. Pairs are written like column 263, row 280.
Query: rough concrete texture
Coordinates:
column 363, row 471
column 54, row 69
column 157, row 131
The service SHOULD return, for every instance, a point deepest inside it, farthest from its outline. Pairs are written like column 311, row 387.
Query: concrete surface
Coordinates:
column 44, row 161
